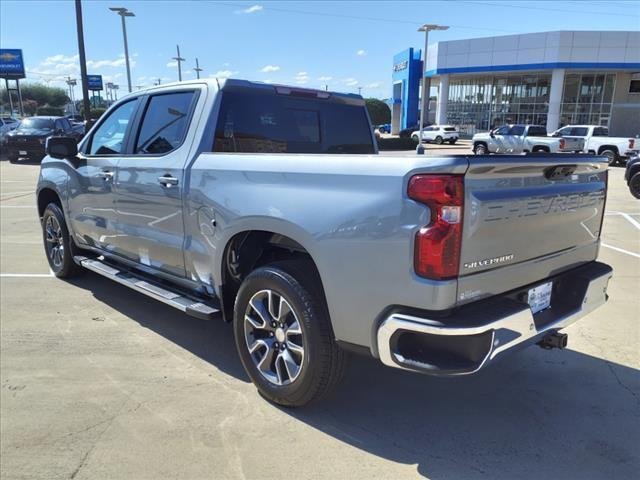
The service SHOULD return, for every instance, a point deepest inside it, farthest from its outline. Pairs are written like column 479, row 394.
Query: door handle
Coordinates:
column 106, row 175
column 167, row 180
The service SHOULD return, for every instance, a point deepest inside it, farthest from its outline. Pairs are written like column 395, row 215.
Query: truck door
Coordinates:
column 151, row 182
column 499, row 140
column 514, row 141
column 92, row 205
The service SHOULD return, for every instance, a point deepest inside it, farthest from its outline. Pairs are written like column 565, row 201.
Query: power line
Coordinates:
column 357, row 17
column 545, row 9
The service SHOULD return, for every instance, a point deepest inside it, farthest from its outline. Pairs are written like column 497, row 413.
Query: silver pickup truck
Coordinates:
column 268, row 206
column 516, row 139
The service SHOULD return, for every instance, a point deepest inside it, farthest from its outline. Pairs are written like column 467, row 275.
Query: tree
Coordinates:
column 42, row 95
column 379, row 112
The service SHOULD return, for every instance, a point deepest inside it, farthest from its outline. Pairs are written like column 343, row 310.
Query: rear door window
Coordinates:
column 600, row 132
column 536, row 131
column 519, row 130
column 165, row 123
column 266, row 122
column 579, row 131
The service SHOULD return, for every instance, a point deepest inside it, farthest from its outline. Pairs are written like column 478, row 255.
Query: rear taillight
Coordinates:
column 562, row 143
column 438, row 244
column 631, row 143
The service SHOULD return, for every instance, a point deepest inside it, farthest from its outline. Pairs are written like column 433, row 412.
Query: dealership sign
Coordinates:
column 11, row 63
column 400, row 66
column 94, row 82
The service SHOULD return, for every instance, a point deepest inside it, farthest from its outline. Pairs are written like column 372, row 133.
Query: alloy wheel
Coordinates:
column 274, row 337
column 55, row 241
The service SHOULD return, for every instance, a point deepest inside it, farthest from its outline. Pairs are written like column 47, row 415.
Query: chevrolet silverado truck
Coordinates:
column 597, row 141
column 517, row 139
column 268, row 207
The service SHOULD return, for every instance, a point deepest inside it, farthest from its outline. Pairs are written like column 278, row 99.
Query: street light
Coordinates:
column 123, row 12
column 426, row 28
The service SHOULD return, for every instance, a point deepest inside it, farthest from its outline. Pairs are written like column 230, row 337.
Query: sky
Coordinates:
column 341, row 44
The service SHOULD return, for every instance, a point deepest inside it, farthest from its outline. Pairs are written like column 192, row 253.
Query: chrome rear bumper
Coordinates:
column 477, row 334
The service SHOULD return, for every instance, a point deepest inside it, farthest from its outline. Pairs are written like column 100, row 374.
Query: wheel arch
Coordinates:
column 604, row 148
column 47, row 195
column 247, row 250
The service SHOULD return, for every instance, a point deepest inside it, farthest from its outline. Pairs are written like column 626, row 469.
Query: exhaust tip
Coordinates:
column 554, row 340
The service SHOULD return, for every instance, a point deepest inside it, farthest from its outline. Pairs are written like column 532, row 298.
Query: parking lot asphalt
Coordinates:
column 99, row 382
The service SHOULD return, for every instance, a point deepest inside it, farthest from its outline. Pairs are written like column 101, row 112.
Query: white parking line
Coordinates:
column 621, row 250
column 17, row 206
column 26, row 275
column 17, row 193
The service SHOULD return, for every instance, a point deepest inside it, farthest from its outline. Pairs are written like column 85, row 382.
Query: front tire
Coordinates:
column 283, row 334
column 480, row 149
column 57, row 243
column 634, row 185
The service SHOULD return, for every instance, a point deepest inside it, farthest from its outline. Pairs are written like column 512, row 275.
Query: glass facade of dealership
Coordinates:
column 478, row 103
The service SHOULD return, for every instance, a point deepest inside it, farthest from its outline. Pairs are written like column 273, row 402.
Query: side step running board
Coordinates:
column 192, row 307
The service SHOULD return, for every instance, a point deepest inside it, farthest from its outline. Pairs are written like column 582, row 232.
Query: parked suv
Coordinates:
column 266, row 206
column 437, row 134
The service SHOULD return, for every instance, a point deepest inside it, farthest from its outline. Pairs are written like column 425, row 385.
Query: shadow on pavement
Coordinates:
column 555, row 414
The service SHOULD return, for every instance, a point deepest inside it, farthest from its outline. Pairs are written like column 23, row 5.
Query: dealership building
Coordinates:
column 548, row 78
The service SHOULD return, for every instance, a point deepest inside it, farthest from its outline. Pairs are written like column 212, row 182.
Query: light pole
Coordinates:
column 178, row 59
column 424, row 100
column 123, row 12
column 72, row 83
column 197, row 69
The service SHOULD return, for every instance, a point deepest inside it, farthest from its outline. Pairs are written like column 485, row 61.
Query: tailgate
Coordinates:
column 522, row 212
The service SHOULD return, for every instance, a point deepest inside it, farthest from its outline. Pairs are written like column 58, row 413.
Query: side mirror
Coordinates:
column 62, row 147
column 492, row 134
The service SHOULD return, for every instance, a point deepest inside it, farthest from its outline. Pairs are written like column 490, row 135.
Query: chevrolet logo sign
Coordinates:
column 8, row 56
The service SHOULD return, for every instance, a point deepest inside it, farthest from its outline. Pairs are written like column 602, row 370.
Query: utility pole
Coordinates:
column 326, row 87
column 123, row 12
column 83, row 63
column 360, row 91
column 115, row 89
column 197, row 69
column 426, row 84
column 179, row 59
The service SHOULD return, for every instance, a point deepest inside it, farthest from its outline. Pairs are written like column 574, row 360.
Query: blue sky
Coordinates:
column 340, row 43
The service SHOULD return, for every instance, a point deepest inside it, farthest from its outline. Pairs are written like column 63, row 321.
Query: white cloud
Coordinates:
column 251, row 9
column 223, row 74
column 350, row 82
column 324, row 78
column 141, row 79
column 301, row 78
column 374, row 85
column 268, row 81
column 118, row 62
column 172, row 64
column 59, row 59
column 270, row 68
column 226, row 64
column 361, row 53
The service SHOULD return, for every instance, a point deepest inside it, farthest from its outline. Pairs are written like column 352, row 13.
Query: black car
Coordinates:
column 632, row 175
column 28, row 140
column 406, row 132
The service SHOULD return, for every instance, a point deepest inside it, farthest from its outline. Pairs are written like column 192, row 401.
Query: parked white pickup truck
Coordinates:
column 513, row 139
column 597, row 140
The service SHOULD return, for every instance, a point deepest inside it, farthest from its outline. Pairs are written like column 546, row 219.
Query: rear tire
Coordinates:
column 439, row 140
column 634, row 185
column 414, row 138
column 612, row 157
column 453, row 141
column 288, row 368
column 57, row 243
